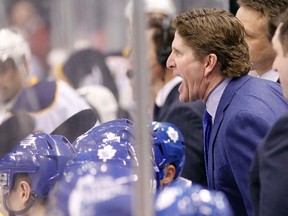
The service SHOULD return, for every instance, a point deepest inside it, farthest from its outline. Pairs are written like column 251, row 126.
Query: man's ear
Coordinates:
column 170, row 171
column 210, row 63
column 25, row 191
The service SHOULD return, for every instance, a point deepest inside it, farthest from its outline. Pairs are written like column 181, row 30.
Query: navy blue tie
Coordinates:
column 207, row 126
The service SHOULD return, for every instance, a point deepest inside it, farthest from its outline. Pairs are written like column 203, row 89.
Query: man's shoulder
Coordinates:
column 36, row 97
column 256, row 89
column 253, row 97
column 256, row 83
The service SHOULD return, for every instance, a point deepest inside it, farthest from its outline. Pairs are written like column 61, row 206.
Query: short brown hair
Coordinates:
column 215, row 31
column 270, row 9
column 18, row 177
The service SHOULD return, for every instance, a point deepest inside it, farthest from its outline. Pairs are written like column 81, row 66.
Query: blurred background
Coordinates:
column 101, row 22
column 57, row 29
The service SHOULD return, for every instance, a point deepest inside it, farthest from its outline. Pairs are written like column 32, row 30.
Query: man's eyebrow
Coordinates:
column 175, row 49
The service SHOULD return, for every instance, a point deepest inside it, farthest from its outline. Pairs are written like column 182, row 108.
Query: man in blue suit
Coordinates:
column 210, row 54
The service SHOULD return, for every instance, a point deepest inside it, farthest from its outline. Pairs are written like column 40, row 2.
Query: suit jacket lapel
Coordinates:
column 225, row 100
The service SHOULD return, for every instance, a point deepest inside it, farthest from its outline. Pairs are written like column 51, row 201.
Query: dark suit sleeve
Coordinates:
column 189, row 122
column 273, row 159
column 243, row 134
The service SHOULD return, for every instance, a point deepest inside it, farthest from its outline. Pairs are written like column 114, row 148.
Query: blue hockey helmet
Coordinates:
column 104, row 132
column 111, row 141
column 179, row 200
column 168, row 146
column 41, row 156
column 112, row 188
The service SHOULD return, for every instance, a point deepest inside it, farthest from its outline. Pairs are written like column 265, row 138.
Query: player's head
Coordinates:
column 109, row 187
column 112, row 141
column 169, row 148
column 179, row 200
column 35, row 165
column 14, row 54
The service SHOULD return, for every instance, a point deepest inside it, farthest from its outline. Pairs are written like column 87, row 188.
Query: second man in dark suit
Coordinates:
column 268, row 176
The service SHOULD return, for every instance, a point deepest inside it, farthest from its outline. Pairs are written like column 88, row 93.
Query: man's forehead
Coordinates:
column 177, row 39
column 179, row 43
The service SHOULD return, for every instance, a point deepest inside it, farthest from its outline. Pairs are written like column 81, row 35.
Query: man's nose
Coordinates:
column 170, row 62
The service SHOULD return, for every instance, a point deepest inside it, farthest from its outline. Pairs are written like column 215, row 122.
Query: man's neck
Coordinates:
column 263, row 70
column 38, row 209
column 213, row 83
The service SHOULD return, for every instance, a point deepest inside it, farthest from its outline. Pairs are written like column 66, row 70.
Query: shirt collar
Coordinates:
column 165, row 90
column 271, row 75
column 215, row 96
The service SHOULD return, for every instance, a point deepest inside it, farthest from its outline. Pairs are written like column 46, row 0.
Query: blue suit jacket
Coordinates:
column 247, row 109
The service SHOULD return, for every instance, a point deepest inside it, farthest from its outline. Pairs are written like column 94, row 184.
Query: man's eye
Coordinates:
column 248, row 35
column 176, row 52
